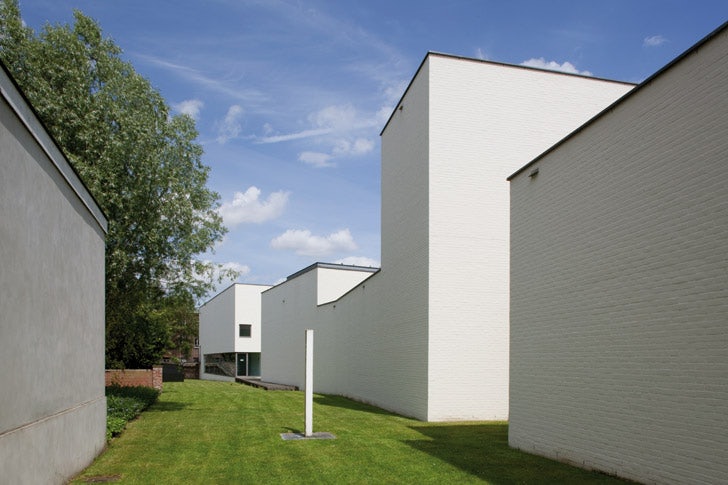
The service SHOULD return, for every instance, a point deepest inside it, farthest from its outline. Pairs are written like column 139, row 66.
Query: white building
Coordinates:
column 293, row 306
column 52, row 232
column 619, row 283
column 230, row 333
column 427, row 336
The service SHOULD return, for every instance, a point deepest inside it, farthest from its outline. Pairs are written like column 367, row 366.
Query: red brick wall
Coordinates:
column 135, row 377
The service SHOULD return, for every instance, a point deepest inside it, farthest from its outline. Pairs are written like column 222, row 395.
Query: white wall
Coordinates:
column 620, row 285
column 427, row 336
column 486, row 120
column 333, row 283
column 371, row 344
column 248, row 312
column 217, row 323
column 52, row 402
column 219, row 320
column 291, row 307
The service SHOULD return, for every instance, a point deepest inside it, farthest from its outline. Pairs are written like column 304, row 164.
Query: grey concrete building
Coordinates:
column 619, row 283
column 52, row 403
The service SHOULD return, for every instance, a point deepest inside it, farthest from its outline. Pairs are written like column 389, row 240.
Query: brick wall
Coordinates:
column 135, row 377
column 191, row 370
column 619, row 285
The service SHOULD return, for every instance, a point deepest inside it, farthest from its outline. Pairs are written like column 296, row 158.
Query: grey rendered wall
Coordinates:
column 619, row 285
column 53, row 408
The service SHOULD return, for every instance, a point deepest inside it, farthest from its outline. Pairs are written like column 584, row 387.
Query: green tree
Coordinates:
column 183, row 327
column 142, row 164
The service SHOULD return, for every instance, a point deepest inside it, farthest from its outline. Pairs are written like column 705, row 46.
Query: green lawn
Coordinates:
column 217, row 433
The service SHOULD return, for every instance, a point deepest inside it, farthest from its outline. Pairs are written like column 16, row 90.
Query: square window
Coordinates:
column 244, row 330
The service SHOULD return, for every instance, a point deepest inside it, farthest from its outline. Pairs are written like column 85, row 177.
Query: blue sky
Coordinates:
column 290, row 96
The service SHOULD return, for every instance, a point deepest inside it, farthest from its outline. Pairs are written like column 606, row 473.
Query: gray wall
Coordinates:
column 619, row 285
column 53, row 417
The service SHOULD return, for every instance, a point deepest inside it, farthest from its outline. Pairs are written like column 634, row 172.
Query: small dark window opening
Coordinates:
column 244, row 330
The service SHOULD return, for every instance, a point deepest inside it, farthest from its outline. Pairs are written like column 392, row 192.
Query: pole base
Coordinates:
column 314, row 436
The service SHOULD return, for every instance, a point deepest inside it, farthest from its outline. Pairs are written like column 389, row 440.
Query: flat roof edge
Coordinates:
column 494, row 63
column 233, row 285
column 689, row 51
column 23, row 109
column 342, row 267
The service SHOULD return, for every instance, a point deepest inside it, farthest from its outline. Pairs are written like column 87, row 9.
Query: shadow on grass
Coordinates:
column 347, row 403
column 482, row 450
column 165, row 406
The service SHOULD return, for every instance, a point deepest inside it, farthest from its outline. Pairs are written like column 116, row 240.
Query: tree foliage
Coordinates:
column 142, row 164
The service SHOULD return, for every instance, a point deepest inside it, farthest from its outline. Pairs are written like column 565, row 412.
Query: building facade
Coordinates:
column 619, row 283
column 230, row 333
column 52, row 232
column 295, row 305
column 427, row 335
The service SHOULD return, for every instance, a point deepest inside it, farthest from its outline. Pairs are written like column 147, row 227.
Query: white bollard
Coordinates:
column 309, row 384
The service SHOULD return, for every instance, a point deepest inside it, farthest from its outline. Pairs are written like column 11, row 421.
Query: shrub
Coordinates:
column 114, row 426
column 124, row 404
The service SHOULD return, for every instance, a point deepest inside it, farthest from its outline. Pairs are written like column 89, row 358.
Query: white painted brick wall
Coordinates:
column 332, row 283
column 372, row 343
column 486, row 120
column 619, row 285
column 428, row 335
column 288, row 309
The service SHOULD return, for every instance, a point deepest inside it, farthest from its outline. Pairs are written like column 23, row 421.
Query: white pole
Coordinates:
column 309, row 383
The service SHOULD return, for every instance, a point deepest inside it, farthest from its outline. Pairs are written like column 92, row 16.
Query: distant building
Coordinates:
column 52, row 232
column 619, row 283
column 427, row 335
column 230, row 333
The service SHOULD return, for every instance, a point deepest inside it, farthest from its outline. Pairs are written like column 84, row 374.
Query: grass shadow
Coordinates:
column 348, row 403
column 482, row 450
column 166, row 406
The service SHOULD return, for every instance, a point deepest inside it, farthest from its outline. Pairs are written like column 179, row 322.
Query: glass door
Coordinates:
column 242, row 364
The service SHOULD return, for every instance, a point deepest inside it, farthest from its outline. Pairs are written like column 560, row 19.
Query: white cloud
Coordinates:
column 220, row 276
column 342, row 148
column 230, row 126
column 241, row 269
column 213, row 271
column 295, row 136
column 316, row 159
column 480, row 54
column 359, row 261
column 189, row 107
column 384, row 113
column 334, row 116
column 247, row 207
column 566, row 66
column 306, row 244
column 393, row 91
column 333, row 119
column 190, row 74
column 654, row 41
column 360, row 146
